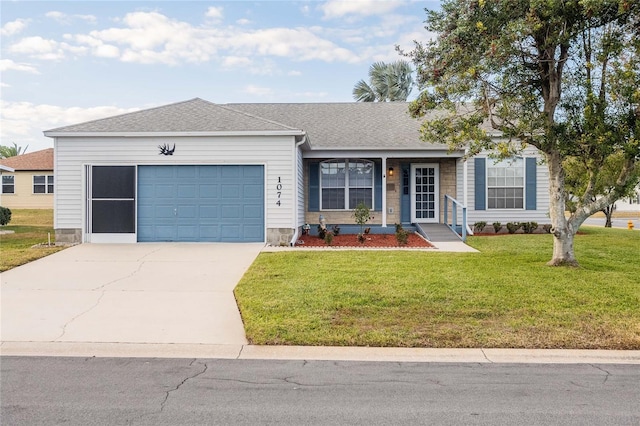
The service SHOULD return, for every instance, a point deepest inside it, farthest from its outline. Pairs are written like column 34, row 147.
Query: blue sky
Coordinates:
column 73, row 61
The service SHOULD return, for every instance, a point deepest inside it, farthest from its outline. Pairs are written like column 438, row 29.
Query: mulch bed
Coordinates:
column 371, row 241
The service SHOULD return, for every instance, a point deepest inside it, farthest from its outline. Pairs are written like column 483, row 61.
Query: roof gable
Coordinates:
column 38, row 160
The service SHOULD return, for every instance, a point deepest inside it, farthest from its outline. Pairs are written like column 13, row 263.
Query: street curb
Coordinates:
column 320, row 353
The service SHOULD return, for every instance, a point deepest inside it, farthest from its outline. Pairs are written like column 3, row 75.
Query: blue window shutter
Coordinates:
column 314, row 187
column 480, row 165
column 378, row 186
column 530, row 183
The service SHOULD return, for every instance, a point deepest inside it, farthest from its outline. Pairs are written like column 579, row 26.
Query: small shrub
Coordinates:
column 497, row 226
column 547, row 228
column 5, row 215
column 512, row 227
column 479, row 226
column 336, row 230
column 362, row 215
column 529, row 227
column 402, row 236
column 328, row 238
column 361, row 238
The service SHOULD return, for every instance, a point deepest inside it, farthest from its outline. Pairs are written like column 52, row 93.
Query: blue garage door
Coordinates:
column 201, row 203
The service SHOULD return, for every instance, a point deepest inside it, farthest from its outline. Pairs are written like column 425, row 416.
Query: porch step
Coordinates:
column 437, row 232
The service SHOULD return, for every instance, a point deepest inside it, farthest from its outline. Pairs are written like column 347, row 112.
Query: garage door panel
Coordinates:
column 209, row 212
column 209, row 232
column 164, row 191
column 231, row 172
column 251, row 232
column 187, row 191
column 201, row 203
column 163, row 212
column 230, row 212
column 230, row 191
column 187, row 212
column 252, row 212
column 208, row 191
column 187, row 233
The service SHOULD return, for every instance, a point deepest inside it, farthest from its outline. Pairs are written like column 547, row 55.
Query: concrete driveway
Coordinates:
column 134, row 293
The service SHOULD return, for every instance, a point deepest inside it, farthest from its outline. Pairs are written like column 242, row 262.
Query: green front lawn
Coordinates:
column 503, row 297
column 31, row 228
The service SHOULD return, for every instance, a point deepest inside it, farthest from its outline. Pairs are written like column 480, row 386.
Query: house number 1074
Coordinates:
column 279, row 190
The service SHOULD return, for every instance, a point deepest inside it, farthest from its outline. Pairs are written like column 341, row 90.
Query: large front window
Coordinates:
column 346, row 183
column 505, row 184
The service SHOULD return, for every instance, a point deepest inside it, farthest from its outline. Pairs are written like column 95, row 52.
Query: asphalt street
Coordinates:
column 139, row 391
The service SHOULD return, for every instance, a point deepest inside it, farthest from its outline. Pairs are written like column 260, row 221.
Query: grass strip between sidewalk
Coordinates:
column 503, row 297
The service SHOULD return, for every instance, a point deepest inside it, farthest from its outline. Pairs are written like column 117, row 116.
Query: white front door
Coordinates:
column 425, row 186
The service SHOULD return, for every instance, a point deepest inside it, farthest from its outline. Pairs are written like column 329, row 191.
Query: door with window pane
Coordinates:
column 425, row 193
column 111, row 205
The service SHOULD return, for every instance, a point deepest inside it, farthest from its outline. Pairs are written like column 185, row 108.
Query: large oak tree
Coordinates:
column 560, row 75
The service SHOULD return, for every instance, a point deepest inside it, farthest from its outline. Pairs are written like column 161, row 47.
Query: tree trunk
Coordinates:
column 562, row 230
column 608, row 214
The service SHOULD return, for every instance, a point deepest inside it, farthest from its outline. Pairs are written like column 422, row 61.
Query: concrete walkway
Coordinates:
column 129, row 293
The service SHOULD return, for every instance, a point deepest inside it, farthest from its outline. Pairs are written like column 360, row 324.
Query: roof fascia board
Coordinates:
column 54, row 134
column 336, row 153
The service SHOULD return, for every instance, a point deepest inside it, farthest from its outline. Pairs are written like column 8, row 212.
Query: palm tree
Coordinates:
column 12, row 151
column 387, row 82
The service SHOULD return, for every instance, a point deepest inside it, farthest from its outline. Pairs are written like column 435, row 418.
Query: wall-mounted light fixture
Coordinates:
column 390, row 173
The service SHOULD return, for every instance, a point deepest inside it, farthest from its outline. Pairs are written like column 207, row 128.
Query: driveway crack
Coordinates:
column 102, row 289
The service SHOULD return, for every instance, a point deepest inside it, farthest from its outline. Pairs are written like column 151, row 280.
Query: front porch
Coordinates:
column 403, row 190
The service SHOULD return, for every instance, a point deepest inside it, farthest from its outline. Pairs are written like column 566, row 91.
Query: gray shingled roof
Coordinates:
column 195, row 115
column 354, row 125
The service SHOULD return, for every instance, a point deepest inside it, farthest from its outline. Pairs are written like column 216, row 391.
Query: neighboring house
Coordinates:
column 31, row 183
column 629, row 204
column 198, row 171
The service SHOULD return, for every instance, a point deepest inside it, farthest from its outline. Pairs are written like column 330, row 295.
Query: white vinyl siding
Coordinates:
column 272, row 151
column 540, row 215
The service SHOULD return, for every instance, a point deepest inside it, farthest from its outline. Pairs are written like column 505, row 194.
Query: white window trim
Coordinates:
column 346, row 186
column 491, row 163
column 45, row 184
column 2, row 185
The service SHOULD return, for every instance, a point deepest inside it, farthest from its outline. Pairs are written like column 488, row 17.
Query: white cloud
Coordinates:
column 235, row 61
column 257, row 91
column 215, row 13
column 65, row 19
column 24, row 122
column 38, row 47
column 294, row 73
column 9, row 65
column 340, row 8
column 153, row 38
column 14, row 27
column 243, row 21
